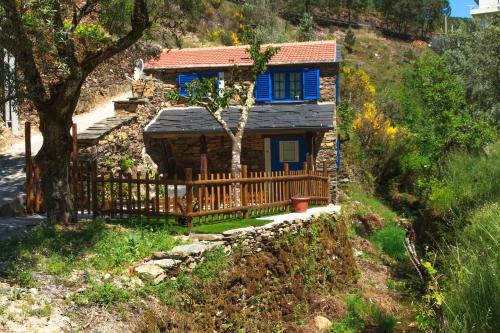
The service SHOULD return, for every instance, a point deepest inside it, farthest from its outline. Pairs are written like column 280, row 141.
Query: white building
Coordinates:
column 486, row 7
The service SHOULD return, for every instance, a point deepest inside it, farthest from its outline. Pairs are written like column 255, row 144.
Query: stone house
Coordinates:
column 292, row 122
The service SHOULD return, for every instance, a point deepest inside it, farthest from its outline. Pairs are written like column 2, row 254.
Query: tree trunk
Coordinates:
column 54, row 161
column 236, row 157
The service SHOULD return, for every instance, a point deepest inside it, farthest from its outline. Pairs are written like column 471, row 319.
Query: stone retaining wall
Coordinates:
column 250, row 240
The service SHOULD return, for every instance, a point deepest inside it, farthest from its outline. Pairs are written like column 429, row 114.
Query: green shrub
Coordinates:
column 390, row 239
column 349, row 40
column 306, row 28
column 471, row 295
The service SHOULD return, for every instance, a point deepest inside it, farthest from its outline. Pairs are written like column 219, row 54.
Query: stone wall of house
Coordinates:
column 167, row 80
column 174, row 155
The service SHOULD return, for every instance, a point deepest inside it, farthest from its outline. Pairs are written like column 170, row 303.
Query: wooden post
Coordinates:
column 306, row 172
column 189, row 197
column 286, row 171
column 310, row 151
column 203, row 157
column 94, row 189
column 29, row 178
column 244, row 191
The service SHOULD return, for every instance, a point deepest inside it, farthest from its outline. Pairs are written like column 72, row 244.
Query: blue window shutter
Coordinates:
column 310, row 78
column 263, row 87
column 183, row 79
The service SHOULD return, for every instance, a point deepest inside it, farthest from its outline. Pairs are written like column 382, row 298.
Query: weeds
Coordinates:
column 106, row 294
column 359, row 314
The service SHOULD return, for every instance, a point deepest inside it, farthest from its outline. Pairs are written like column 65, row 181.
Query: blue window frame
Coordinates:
column 288, row 85
column 185, row 78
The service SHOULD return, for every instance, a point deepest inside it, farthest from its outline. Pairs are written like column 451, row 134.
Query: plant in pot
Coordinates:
column 300, row 203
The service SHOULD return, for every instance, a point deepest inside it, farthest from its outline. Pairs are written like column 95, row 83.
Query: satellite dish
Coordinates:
column 139, row 70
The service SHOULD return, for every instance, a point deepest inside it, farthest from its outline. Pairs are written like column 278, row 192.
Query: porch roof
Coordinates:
column 263, row 118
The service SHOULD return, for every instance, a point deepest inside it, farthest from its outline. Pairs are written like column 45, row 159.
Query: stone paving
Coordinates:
column 13, row 226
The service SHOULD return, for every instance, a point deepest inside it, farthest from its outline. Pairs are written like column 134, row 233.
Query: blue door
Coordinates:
column 288, row 149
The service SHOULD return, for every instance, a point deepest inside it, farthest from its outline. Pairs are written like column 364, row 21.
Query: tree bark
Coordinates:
column 236, row 157
column 54, row 161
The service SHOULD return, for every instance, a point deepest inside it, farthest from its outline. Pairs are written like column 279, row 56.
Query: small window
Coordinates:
column 296, row 85
column 279, row 90
column 289, row 151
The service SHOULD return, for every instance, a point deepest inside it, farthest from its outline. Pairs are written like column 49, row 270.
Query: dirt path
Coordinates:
column 12, row 158
column 83, row 121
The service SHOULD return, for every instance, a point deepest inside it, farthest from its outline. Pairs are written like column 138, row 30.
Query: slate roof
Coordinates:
column 263, row 118
column 227, row 56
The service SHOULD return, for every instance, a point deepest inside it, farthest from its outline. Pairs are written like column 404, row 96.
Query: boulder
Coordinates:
column 322, row 324
column 229, row 233
column 149, row 271
column 188, row 250
column 206, row 237
column 164, row 263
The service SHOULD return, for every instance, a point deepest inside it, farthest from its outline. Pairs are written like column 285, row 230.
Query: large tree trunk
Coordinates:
column 54, row 161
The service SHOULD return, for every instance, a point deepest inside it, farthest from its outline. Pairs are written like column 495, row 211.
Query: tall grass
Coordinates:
column 468, row 181
column 472, row 293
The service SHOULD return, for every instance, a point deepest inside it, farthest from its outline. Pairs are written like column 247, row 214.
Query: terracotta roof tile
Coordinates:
column 289, row 53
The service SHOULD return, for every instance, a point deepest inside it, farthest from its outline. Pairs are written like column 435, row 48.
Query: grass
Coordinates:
column 106, row 294
column 219, row 227
column 468, row 182
column 372, row 204
column 94, row 246
column 472, row 299
column 359, row 314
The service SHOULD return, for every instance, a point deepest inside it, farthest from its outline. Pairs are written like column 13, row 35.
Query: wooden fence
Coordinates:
column 200, row 198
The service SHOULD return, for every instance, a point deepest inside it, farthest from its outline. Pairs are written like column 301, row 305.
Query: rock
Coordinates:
column 14, row 207
column 184, row 251
column 233, row 232
column 159, row 278
column 165, row 263
column 160, row 255
column 322, row 324
column 148, row 271
column 206, row 237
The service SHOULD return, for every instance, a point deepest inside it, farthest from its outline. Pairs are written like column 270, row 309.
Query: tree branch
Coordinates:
column 18, row 44
column 140, row 22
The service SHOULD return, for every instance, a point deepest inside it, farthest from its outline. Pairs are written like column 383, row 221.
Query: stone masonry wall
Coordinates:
column 175, row 155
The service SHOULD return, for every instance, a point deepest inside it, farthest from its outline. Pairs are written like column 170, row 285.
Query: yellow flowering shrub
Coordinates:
column 235, row 39
column 369, row 123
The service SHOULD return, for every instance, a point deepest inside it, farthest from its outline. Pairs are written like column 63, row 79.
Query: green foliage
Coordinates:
column 390, row 239
column 106, row 294
column 412, row 16
column 349, row 40
column 92, row 32
column 471, row 52
column 472, row 269
column 306, row 28
column 126, row 163
column 115, row 15
column 465, row 183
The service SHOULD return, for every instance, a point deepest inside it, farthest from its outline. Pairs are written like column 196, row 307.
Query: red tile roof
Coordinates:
column 206, row 57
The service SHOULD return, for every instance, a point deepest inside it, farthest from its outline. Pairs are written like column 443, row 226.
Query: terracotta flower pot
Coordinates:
column 300, row 204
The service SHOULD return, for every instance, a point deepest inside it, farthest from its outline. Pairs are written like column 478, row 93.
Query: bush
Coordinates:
column 349, row 40
column 472, row 300
column 306, row 28
column 390, row 239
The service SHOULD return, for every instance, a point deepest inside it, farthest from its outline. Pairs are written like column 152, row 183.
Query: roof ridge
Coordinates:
column 222, row 47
